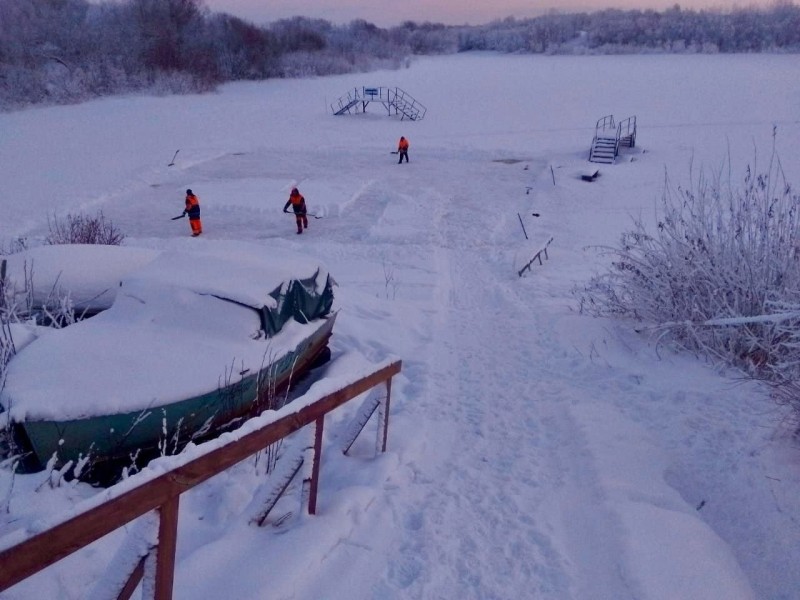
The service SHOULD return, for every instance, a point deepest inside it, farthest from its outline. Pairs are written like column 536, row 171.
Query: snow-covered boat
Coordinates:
column 193, row 343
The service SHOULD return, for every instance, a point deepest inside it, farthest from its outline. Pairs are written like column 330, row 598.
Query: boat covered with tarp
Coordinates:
column 193, row 343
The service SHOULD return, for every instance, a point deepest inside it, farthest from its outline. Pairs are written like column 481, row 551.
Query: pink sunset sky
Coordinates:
column 386, row 13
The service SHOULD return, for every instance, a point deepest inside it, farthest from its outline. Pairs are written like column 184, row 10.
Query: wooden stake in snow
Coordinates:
column 522, row 225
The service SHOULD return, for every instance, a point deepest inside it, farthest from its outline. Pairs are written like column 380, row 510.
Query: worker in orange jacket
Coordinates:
column 402, row 149
column 298, row 204
column 193, row 210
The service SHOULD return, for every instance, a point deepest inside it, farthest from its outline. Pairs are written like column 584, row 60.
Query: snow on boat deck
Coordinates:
column 171, row 333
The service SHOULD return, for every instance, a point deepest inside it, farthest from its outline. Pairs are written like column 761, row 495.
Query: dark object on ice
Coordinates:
column 590, row 175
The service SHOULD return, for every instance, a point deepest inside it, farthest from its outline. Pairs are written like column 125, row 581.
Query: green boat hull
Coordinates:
column 130, row 439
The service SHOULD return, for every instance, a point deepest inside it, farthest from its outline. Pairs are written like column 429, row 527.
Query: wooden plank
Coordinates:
column 133, row 580
column 43, row 549
column 294, row 465
column 357, row 425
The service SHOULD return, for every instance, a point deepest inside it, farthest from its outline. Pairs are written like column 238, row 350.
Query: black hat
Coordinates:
column 189, row 192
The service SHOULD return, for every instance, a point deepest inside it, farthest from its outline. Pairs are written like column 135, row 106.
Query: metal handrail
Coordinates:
column 389, row 97
column 629, row 125
column 604, row 123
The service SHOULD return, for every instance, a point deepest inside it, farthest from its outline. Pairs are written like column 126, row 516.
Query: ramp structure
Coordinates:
column 394, row 100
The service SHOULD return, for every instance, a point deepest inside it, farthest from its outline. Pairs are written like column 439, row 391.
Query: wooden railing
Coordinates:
column 147, row 491
column 536, row 256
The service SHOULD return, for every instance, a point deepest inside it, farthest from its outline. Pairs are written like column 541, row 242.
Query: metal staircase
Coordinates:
column 626, row 132
column 608, row 138
column 394, row 100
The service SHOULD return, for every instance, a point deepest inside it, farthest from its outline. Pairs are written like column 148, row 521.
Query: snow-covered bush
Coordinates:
column 83, row 229
column 720, row 275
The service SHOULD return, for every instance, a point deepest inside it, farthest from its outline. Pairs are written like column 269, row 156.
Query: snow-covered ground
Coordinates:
column 533, row 452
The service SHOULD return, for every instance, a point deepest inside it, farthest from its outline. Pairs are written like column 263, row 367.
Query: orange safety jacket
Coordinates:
column 192, row 206
column 297, row 202
column 402, row 145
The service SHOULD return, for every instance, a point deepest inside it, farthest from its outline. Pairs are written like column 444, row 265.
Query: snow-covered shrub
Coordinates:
column 83, row 229
column 719, row 275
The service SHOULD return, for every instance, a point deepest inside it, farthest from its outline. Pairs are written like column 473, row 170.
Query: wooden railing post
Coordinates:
column 167, row 544
column 312, row 497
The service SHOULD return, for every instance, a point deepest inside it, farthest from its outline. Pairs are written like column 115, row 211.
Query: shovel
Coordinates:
column 308, row 214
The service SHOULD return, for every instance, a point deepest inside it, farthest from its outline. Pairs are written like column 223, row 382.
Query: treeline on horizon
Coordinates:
column 62, row 51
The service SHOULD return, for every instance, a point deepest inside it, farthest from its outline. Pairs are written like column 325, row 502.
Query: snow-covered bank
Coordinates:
column 534, row 452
